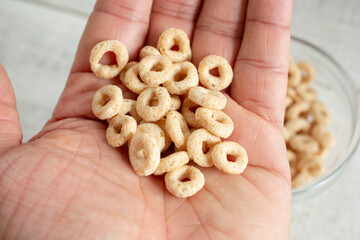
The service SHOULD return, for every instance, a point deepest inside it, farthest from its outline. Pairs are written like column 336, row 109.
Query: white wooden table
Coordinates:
column 38, row 56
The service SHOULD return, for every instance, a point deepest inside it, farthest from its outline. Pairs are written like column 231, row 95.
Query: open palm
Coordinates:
column 67, row 183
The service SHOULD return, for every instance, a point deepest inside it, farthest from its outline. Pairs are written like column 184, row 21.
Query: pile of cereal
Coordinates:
column 173, row 120
column 306, row 119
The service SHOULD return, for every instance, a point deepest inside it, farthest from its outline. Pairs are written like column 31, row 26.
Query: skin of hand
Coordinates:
column 67, row 183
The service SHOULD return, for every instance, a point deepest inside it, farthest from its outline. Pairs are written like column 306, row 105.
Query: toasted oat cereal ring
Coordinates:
column 133, row 81
column 174, row 105
column 148, row 51
column 291, row 155
column 294, row 75
column 108, row 71
column 207, row 98
column 172, row 162
column 296, row 109
column 303, row 143
column 125, row 69
column 124, row 109
column 177, row 128
column 154, row 131
column 107, row 102
column 213, row 82
column 307, row 72
column 320, row 113
column 153, row 113
column 306, row 93
column 162, row 124
column 189, row 114
column 220, row 157
column 144, row 154
column 199, row 146
column 175, row 37
column 286, row 134
column 184, row 76
column 296, row 125
column 306, row 161
column 291, row 92
column 182, row 189
column 300, row 179
column 215, row 121
column 155, row 70
column 120, row 130
column 323, row 136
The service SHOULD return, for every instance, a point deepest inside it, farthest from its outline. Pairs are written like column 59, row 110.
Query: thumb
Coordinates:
column 10, row 129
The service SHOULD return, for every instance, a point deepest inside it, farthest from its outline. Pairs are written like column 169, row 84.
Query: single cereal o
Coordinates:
column 207, row 98
column 162, row 124
column 303, row 143
column 144, row 154
column 201, row 141
column 294, row 75
column 213, row 82
column 296, row 109
column 125, row 69
column 155, row 70
column 120, row 130
column 300, row 179
column 108, row 71
column 177, row 128
column 147, row 51
column 323, row 136
column 306, row 93
column 215, row 121
column 175, row 37
column 175, row 185
column 153, row 113
column 183, row 77
column 133, row 81
column 154, row 131
column 189, row 114
column 172, row 162
column 222, row 150
column 320, row 113
column 107, row 102
column 308, row 70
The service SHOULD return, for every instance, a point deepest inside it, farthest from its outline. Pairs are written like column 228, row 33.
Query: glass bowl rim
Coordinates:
column 355, row 138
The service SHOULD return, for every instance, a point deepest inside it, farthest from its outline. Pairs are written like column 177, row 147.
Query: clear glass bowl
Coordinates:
column 339, row 93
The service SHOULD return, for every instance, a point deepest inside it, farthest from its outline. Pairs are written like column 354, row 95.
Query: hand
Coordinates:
column 67, row 183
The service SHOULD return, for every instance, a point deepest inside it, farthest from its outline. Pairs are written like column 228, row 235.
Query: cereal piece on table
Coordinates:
column 153, row 113
column 220, row 157
column 172, row 162
column 215, row 82
column 144, row 154
column 303, row 143
column 215, row 121
column 125, row 69
column 294, row 75
column 132, row 80
column 323, row 136
column 182, row 189
column 189, row 114
column 296, row 109
column 300, row 179
column 162, row 124
column 154, row 131
column 177, row 128
column 207, row 98
column 171, row 38
column 320, row 113
column 307, row 72
column 108, row 71
column 199, row 146
column 148, row 51
column 155, row 70
column 120, row 130
column 183, row 77
column 107, row 102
